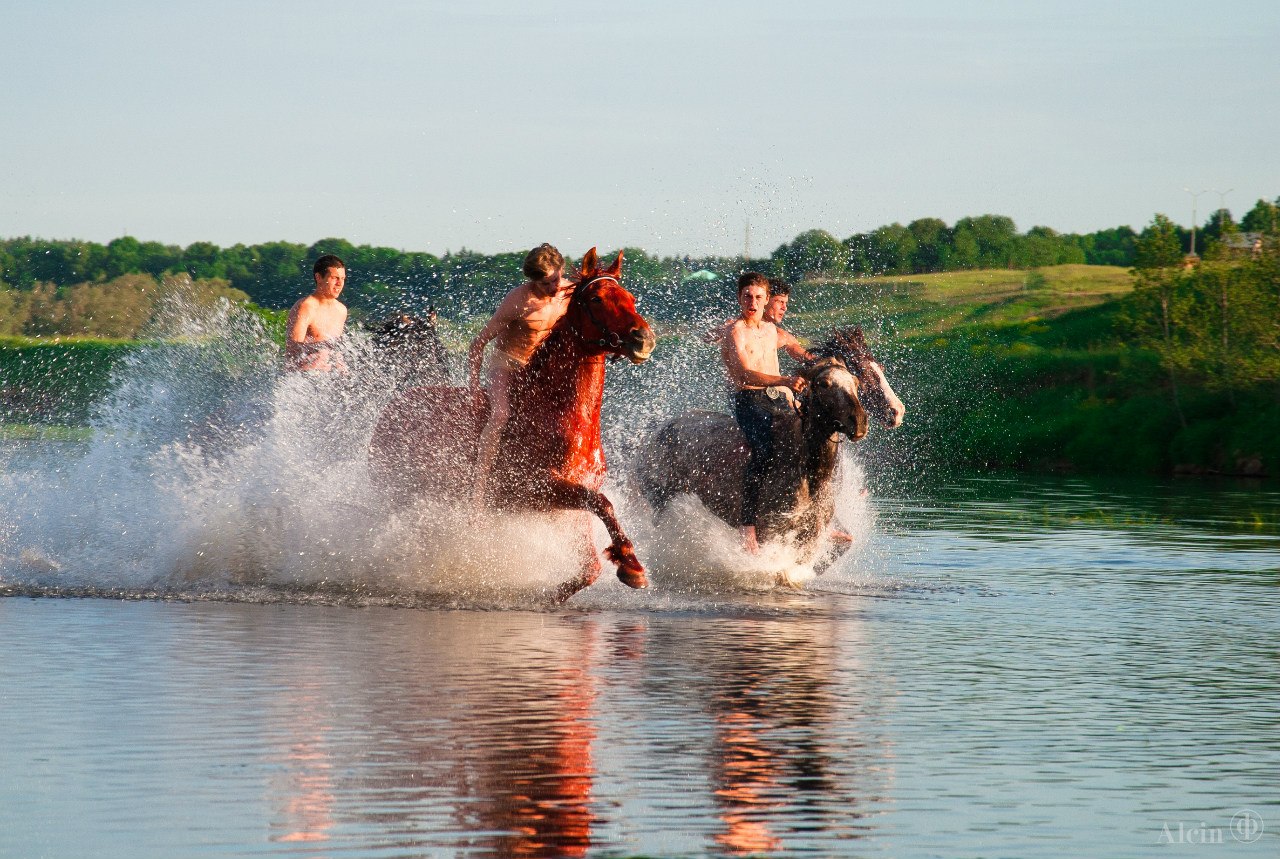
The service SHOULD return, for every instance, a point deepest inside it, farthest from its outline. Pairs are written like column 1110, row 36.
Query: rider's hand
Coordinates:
column 796, row 383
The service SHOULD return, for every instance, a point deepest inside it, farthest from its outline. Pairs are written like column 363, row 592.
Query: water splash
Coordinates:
column 212, row 475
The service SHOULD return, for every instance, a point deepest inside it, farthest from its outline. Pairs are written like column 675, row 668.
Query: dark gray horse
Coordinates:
column 704, row 453
column 410, row 347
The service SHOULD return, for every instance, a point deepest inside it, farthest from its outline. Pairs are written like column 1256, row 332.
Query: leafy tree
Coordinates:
column 1220, row 224
column 1158, row 246
column 13, row 311
column 1264, row 217
column 1109, row 247
column 813, row 252
column 1157, row 314
column 1043, row 246
column 932, row 240
column 994, row 235
column 204, row 259
column 964, row 251
column 886, row 250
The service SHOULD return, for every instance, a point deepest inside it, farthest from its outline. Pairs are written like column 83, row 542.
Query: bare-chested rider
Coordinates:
column 775, row 311
column 316, row 322
column 762, row 395
column 521, row 323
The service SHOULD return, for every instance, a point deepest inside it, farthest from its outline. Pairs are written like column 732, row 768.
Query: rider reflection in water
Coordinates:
column 521, row 323
column 762, row 398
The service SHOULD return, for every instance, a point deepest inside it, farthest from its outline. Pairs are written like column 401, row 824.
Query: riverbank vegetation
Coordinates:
column 1020, row 350
column 1173, row 367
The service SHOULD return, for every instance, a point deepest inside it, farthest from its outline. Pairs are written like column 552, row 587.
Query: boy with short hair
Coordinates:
column 522, row 322
column 749, row 349
column 316, row 321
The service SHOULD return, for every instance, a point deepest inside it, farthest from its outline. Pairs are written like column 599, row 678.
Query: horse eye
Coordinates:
column 597, row 299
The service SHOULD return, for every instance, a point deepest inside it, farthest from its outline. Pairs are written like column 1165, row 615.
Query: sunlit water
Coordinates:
column 219, row 644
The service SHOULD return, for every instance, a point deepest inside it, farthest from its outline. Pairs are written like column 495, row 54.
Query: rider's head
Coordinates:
column 779, row 293
column 753, row 294
column 544, row 266
column 329, row 273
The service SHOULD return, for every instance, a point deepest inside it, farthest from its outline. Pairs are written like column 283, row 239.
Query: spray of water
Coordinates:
column 212, row 475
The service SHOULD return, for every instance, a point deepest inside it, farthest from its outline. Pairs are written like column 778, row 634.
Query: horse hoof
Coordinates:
column 630, row 573
column 571, row 587
column 633, row 577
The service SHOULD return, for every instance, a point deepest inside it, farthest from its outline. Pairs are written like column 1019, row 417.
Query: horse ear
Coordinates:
column 590, row 261
column 616, row 268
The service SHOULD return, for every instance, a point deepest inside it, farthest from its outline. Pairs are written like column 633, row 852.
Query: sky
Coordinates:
column 692, row 127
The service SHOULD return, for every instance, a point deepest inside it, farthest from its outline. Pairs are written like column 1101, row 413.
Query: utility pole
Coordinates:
column 1194, row 196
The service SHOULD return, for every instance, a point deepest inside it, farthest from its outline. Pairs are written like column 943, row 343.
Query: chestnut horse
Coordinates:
column 550, row 456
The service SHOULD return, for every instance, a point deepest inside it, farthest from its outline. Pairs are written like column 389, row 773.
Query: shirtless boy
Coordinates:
column 521, row 323
column 749, row 349
column 775, row 311
column 316, row 322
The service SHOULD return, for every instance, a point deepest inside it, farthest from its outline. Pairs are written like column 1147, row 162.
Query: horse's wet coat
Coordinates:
column 550, row 456
column 705, row 454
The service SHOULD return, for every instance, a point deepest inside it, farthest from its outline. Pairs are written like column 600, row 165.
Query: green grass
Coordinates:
column 58, row 379
column 920, row 304
column 44, row 432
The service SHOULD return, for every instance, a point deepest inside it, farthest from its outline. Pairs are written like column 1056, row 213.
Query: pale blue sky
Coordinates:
column 496, row 124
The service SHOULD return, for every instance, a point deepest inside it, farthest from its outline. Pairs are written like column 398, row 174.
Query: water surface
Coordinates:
column 1005, row 667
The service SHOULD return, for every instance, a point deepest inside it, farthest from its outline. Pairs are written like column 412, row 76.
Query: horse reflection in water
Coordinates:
column 459, row 736
column 782, row 762
column 304, row 783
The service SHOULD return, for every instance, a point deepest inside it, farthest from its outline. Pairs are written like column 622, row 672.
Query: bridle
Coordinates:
column 803, row 401
column 611, row 341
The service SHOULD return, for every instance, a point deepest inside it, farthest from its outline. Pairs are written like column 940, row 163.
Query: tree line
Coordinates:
column 67, row 286
column 1214, row 322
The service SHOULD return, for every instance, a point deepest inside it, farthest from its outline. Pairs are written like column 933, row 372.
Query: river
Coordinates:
column 203, row 655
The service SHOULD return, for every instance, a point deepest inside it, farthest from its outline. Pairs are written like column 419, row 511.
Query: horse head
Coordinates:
column 404, row 330
column 830, row 400
column 604, row 313
column 850, row 346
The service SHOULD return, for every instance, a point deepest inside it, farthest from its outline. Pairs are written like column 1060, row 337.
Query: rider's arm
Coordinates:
column 788, row 343
column 295, row 349
column 507, row 311
column 733, row 352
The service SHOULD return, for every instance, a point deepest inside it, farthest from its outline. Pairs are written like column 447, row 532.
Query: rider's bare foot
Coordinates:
column 842, row 537
column 749, row 542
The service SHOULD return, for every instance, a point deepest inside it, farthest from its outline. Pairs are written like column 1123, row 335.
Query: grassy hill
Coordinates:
column 920, row 304
column 1035, row 370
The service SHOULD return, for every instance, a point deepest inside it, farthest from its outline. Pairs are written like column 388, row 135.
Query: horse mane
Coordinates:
column 847, row 344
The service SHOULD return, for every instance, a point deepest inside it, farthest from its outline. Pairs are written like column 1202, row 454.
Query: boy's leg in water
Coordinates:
column 756, row 424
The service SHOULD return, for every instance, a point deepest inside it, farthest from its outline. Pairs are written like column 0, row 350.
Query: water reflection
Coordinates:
column 795, row 755
column 996, row 686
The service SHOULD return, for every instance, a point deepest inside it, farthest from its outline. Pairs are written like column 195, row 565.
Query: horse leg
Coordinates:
column 590, row 565
column 575, row 496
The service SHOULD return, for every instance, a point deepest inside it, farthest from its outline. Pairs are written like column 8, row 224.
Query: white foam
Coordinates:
column 210, row 471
